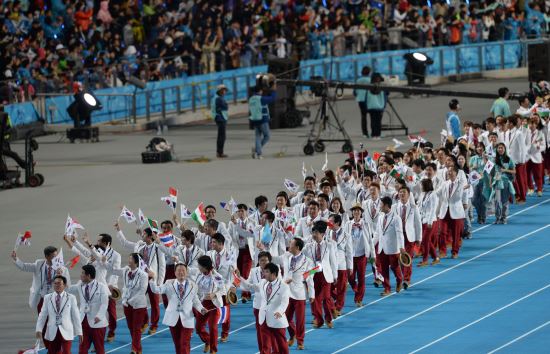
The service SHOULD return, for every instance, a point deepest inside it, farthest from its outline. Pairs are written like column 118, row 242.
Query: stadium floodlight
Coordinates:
column 415, row 69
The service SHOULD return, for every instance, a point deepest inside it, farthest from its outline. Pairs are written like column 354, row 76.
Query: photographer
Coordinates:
column 259, row 116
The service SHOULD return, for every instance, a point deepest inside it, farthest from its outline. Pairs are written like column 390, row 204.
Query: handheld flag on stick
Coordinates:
column 57, row 261
column 223, row 314
column 71, row 225
column 395, row 174
column 198, row 215
column 141, row 217
column 397, row 143
column 376, row 155
column 167, row 239
column 31, row 350
column 72, row 263
column 185, row 213
column 266, row 234
column 153, row 224
column 489, row 166
column 23, row 239
column 304, row 170
column 172, row 199
column 325, row 165
column 312, row 271
column 474, row 178
column 291, row 186
column 128, row 215
column 232, row 205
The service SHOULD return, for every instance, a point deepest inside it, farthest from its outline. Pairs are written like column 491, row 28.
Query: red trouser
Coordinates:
column 428, row 248
column 111, row 312
column 59, row 345
column 546, row 160
column 298, row 329
column 226, row 326
column 388, row 261
column 338, row 289
column 273, row 340
column 135, row 318
column 409, row 248
column 357, row 275
column 454, row 228
column 92, row 335
column 520, row 182
column 258, row 329
column 377, row 264
column 436, row 233
column 182, row 338
column 535, row 171
column 155, row 309
column 170, row 274
column 244, row 264
column 322, row 299
column 210, row 318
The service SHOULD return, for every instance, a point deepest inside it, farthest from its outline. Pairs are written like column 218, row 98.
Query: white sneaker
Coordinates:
column 260, row 157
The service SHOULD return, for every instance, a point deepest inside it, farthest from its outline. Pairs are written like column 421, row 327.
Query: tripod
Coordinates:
column 391, row 126
column 323, row 121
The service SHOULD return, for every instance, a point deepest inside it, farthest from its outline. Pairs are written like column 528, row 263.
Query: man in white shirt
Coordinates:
column 304, row 226
column 323, row 253
column 301, row 209
column 187, row 253
column 389, row 236
column 516, row 140
column 344, row 257
column 94, row 299
column 242, row 229
column 183, row 297
column 261, row 204
column 309, row 185
column 60, row 312
column 412, row 229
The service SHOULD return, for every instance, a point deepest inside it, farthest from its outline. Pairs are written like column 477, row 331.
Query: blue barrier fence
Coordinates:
column 197, row 91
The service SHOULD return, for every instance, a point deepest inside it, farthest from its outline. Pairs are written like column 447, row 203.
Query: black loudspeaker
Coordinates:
column 283, row 111
column 538, row 61
column 156, row 156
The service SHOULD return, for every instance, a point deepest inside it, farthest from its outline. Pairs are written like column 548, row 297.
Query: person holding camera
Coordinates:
column 259, row 117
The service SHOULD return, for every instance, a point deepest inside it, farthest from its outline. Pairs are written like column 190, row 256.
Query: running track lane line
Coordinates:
column 520, row 337
column 442, row 303
column 437, row 274
column 373, row 302
column 481, row 319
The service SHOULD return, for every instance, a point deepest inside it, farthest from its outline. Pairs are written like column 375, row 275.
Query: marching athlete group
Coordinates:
column 375, row 212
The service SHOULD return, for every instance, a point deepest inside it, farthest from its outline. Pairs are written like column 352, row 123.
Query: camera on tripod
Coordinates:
column 319, row 90
column 265, row 82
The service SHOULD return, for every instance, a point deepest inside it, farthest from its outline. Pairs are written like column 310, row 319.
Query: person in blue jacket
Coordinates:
column 259, row 117
column 361, row 98
column 376, row 104
column 220, row 115
column 453, row 120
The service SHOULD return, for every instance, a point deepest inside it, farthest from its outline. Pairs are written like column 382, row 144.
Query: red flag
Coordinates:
column 173, row 191
column 27, row 235
column 74, row 261
column 376, row 155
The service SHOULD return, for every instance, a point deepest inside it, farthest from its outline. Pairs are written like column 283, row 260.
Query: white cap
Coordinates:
column 168, row 40
column 221, row 87
column 131, row 50
column 59, row 47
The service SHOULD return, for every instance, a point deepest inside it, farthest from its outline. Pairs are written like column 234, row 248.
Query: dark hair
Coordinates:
column 259, row 200
column 167, row 222
column 320, row 226
column 218, row 238
column 365, row 71
column 386, row 201
column 269, row 215
column 106, row 238
column 205, row 262
column 314, row 202
column 148, row 231
column 503, row 91
column 504, row 158
column 309, row 178
column 210, row 206
column 242, row 206
column 213, row 223
column 272, row 268
column 405, row 188
column 490, row 120
column 48, row 251
column 135, row 257
column 89, row 270
column 189, row 236
column 179, row 264
column 427, row 185
column 453, row 104
column 420, row 163
column 337, row 219
column 341, row 211
column 323, row 196
column 62, row 278
column 299, row 243
column 265, row 254
column 284, row 195
column 308, row 191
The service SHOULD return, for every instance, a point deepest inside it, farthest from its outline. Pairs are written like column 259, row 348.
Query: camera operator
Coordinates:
column 6, row 148
column 376, row 104
column 78, row 109
column 259, row 116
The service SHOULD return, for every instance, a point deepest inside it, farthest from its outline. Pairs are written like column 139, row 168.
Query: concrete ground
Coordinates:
column 91, row 181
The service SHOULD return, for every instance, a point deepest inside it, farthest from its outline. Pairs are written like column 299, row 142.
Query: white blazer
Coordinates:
column 413, row 223
column 346, row 191
column 297, row 287
column 69, row 326
column 254, row 279
column 211, row 283
column 367, row 234
column 453, row 202
column 97, row 306
column 537, row 146
column 85, row 258
column 389, row 237
column 427, row 204
column 276, row 302
column 188, row 301
column 371, row 211
column 39, row 287
column 277, row 246
column 328, row 262
column 228, row 263
column 344, row 248
column 133, row 292
column 240, row 232
column 156, row 263
column 180, row 252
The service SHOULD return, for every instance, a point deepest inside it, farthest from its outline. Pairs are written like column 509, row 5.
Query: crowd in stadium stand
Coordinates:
column 46, row 45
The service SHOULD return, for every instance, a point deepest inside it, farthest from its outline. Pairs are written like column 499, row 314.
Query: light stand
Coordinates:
column 391, row 126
